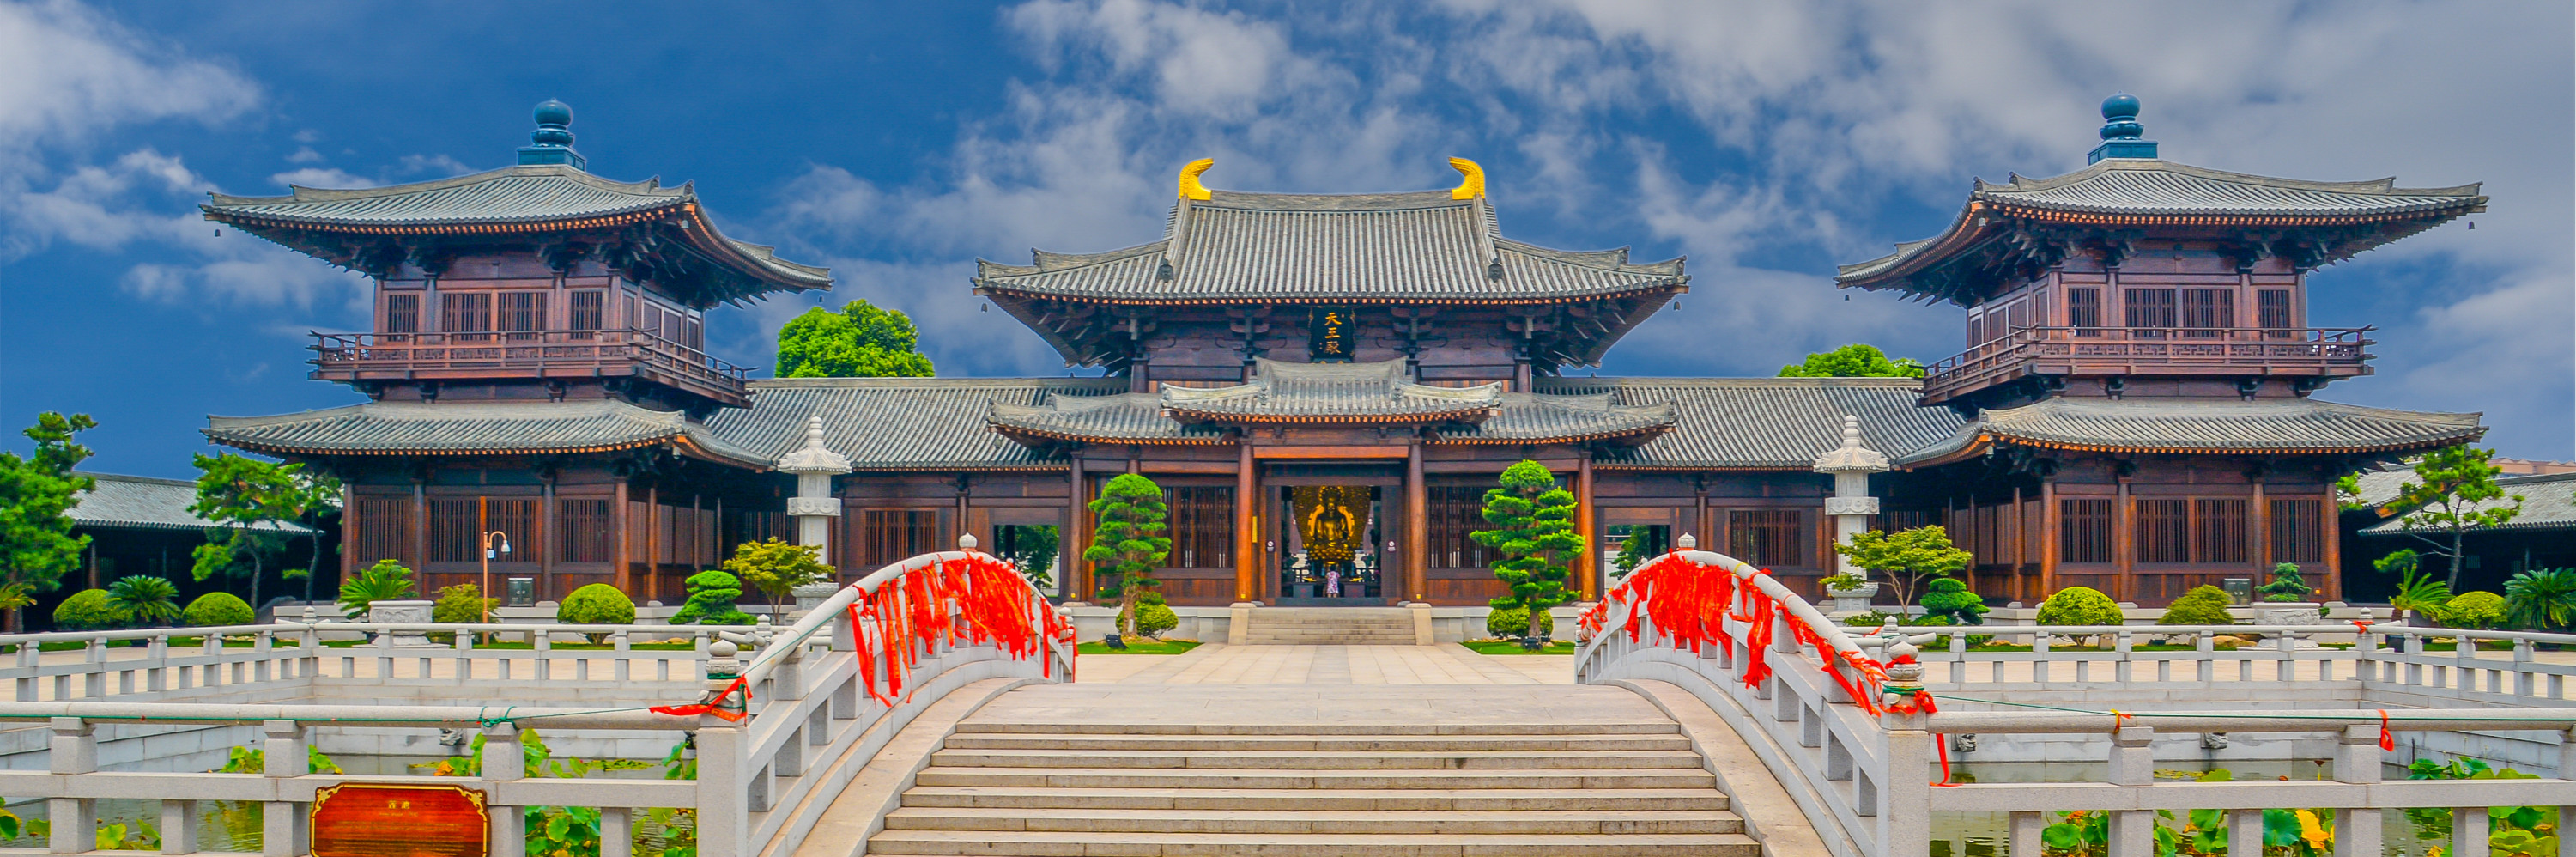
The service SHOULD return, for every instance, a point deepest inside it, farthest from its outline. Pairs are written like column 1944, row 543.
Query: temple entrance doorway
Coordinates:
column 1334, row 543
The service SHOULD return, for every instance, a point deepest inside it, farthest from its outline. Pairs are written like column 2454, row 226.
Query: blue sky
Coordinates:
column 898, row 142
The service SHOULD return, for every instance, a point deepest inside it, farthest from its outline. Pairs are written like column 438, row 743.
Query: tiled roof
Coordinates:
column 2146, row 191
column 900, row 423
column 1766, row 423
column 1125, row 416
column 476, row 428
column 2284, row 426
column 1419, row 247
column 144, row 503
column 1523, row 417
column 508, row 200
column 2548, row 503
column 1375, row 392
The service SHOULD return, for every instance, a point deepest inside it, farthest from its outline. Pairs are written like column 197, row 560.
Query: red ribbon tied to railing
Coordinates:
column 714, row 704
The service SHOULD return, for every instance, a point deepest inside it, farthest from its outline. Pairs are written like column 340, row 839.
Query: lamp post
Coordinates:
column 488, row 551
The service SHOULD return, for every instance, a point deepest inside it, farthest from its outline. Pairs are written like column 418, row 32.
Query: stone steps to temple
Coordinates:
column 1329, row 626
column 1330, row 789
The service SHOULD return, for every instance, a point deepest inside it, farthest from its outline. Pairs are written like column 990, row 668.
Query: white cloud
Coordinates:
column 66, row 72
column 325, row 177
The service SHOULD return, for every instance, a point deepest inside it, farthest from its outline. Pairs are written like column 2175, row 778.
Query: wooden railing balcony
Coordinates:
column 531, row 355
column 2319, row 352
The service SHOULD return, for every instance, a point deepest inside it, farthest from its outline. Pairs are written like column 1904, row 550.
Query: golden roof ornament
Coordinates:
column 1473, row 185
column 1190, row 187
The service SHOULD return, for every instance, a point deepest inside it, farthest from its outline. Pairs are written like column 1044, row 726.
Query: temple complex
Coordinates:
column 1325, row 385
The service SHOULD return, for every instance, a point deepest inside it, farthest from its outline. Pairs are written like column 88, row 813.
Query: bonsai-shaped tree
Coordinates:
column 1533, row 539
column 1907, row 557
column 2287, row 584
column 1948, row 599
column 37, row 546
column 145, row 599
column 1129, row 543
column 2453, row 491
column 711, row 601
column 776, row 568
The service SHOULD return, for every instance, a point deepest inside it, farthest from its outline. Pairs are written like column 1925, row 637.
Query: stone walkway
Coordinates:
column 1217, row 663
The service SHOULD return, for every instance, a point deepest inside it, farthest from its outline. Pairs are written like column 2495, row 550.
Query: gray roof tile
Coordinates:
column 145, row 503
column 506, row 195
column 2548, row 503
column 899, row 423
column 1377, row 391
column 467, row 428
column 1767, row 423
column 2287, row 426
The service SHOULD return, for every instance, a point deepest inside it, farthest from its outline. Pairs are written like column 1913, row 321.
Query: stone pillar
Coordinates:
column 1851, row 505
column 814, row 507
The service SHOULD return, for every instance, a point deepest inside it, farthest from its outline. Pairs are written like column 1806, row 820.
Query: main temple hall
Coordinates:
column 1326, row 384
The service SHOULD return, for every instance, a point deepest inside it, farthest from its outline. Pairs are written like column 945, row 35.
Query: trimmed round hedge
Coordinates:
column 2079, row 605
column 2203, row 605
column 87, row 610
column 217, row 608
column 596, row 604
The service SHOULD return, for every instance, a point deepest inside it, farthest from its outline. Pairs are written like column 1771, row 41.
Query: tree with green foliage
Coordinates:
column 1853, row 361
column 860, row 341
column 2453, row 491
column 2541, row 599
column 37, row 546
column 251, row 501
column 776, row 568
column 1533, row 538
column 387, row 580
column 2287, row 584
column 2473, row 610
column 215, row 609
column 2416, row 590
column 145, row 599
column 1948, row 599
column 596, row 604
column 461, row 604
column 1129, row 542
column 2203, row 605
column 2080, row 605
column 1031, row 549
column 711, row 601
column 1907, row 557
column 1644, row 542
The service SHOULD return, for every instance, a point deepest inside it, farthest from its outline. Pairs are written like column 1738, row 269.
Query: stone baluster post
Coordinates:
column 814, row 507
column 1851, row 505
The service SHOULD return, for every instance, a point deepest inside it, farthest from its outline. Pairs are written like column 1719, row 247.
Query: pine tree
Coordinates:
column 2454, row 491
column 1533, row 536
column 1129, row 543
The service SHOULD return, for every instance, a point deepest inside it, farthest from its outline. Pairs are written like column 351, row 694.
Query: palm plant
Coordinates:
column 387, row 580
column 2541, row 598
column 145, row 600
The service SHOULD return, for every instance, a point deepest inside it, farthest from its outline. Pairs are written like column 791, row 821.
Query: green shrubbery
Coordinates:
column 2203, row 605
column 2079, row 605
column 711, row 601
column 2474, row 610
column 596, row 604
column 1948, row 600
column 387, row 580
column 87, row 610
column 1513, row 622
column 218, row 608
column 1154, row 616
column 462, row 604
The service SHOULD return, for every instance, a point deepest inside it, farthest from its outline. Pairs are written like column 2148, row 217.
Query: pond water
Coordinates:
column 235, row 825
column 1985, row 834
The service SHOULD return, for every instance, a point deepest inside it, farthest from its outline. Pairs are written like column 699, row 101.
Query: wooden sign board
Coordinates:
column 376, row 820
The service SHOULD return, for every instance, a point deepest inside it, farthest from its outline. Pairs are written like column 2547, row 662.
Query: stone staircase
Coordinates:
column 1326, row 789
column 1330, row 626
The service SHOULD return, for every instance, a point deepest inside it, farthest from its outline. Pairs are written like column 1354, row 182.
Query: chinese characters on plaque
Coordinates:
column 1331, row 334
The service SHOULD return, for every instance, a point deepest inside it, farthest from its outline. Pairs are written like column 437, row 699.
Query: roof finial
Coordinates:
column 2121, row 131
column 551, row 143
column 1474, row 183
column 1190, row 187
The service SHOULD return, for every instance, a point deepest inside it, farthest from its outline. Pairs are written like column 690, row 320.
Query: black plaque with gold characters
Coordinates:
column 1331, row 333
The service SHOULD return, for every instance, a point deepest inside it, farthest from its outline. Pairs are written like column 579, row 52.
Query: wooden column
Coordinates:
column 1417, row 526
column 1077, row 574
column 351, row 532
column 545, row 538
column 2124, row 541
column 2020, row 539
column 2048, row 535
column 1587, row 524
column 653, row 543
column 2261, row 512
column 1247, row 534
column 2332, row 544
column 419, row 523
column 625, row 530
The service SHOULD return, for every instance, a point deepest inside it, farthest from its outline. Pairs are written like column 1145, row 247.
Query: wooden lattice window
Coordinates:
column 887, row 536
column 2083, row 531
column 1202, row 527
column 466, row 315
column 456, row 526
column 1769, row 538
column 2164, row 531
column 2218, row 531
column 384, row 527
column 2273, row 308
column 402, row 313
column 2298, row 533
column 587, row 312
column 584, row 530
column 522, row 314
column 1455, row 511
column 2150, row 312
column 2208, row 312
column 2084, row 311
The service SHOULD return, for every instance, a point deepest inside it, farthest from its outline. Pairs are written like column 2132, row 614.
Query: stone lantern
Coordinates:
column 814, row 507
column 1850, row 506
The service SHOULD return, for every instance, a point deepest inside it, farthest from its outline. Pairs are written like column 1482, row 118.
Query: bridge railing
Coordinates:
column 774, row 739
column 194, row 663
column 1850, row 723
